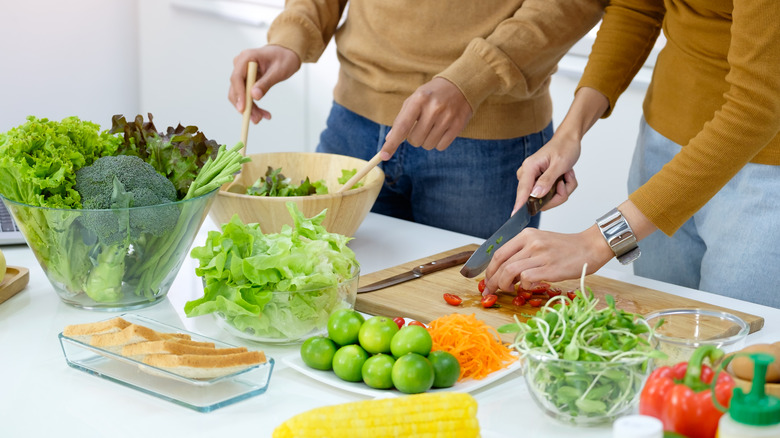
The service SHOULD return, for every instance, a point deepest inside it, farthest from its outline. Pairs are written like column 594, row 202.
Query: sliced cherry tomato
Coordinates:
column 535, row 302
column 416, row 323
column 519, row 301
column 571, row 294
column 452, row 299
column 526, row 294
column 481, row 285
column 540, row 287
column 399, row 321
column 489, row 300
column 554, row 292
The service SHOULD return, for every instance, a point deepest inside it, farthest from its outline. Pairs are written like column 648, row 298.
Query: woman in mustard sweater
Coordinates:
column 468, row 80
column 705, row 177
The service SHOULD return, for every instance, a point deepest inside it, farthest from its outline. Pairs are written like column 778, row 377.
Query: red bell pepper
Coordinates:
column 681, row 395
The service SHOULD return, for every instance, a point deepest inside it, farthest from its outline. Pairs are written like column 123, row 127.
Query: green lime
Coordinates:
column 412, row 374
column 378, row 371
column 348, row 362
column 344, row 326
column 446, row 368
column 376, row 333
column 411, row 339
column 317, row 352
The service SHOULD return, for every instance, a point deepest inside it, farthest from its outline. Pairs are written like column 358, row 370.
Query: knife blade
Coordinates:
column 479, row 261
column 418, row 271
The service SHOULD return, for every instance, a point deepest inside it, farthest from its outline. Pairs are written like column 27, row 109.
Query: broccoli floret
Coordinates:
column 114, row 183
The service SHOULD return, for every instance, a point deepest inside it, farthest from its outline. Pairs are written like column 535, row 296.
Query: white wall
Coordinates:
column 67, row 58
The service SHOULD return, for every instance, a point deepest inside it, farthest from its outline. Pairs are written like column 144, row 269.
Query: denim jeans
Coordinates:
column 731, row 246
column 469, row 188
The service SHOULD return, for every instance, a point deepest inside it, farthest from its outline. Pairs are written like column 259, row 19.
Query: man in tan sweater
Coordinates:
column 463, row 84
column 706, row 171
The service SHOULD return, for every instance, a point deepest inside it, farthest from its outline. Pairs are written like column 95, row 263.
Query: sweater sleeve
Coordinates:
column 306, row 26
column 624, row 41
column 521, row 53
column 746, row 122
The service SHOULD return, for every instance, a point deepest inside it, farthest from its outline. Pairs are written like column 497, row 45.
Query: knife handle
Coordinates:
column 535, row 204
column 447, row 262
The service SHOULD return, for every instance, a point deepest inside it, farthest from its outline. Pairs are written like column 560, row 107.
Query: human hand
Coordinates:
column 430, row 118
column 534, row 256
column 274, row 64
column 538, row 173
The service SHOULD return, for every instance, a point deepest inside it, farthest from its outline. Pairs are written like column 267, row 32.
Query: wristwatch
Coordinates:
column 619, row 235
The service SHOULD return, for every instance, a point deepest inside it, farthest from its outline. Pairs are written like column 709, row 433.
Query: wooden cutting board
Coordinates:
column 421, row 299
column 14, row 280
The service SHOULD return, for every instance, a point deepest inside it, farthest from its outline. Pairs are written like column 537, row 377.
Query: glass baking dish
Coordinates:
column 201, row 395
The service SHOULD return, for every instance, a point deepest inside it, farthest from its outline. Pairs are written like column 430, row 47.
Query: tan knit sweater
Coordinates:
column 715, row 90
column 500, row 54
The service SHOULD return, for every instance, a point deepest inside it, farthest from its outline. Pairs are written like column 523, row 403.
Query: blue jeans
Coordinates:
column 469, row 188
column 731, row 246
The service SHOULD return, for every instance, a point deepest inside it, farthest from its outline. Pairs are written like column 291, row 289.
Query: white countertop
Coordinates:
column 42, row 396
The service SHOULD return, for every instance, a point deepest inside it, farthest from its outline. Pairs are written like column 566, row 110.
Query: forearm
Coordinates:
column 588, row 106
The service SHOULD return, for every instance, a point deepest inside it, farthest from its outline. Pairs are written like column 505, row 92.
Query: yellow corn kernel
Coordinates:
column 428, row 415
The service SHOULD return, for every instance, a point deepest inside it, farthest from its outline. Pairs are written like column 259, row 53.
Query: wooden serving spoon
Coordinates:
column 361, row 173
column 251, row 75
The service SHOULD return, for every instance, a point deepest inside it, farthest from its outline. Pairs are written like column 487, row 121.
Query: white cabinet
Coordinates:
column 187, row 49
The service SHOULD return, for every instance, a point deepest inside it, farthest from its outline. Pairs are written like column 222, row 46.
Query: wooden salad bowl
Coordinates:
column 345, row 211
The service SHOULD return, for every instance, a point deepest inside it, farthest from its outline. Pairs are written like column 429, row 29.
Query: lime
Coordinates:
column 317, row 352
column 411, row 339
column 446, row 368
column 376, row 333
column 348, row 362
column 412, row 374
column 344, row 326
column 378, row 371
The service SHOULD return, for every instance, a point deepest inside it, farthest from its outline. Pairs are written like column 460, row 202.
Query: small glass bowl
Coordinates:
column 585, row 393
column 292, row 316
column 684, row 330
column 133, row 271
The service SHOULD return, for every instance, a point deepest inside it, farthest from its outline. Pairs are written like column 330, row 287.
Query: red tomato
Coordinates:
column 452, row 299
column 399, row 321
column 535, row 302
column 554, row 292
column 519, row 301
column 489, row 300
column 571, row 294
column 526, row 294
column 481, row 285
column 416, row 323
column 540, row 287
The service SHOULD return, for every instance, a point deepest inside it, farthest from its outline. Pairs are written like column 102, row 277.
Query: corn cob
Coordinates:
column 428, row 415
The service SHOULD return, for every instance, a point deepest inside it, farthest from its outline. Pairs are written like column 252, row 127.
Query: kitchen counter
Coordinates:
column 42, row 396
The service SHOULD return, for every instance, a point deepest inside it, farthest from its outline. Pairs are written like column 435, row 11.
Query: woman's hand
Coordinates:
column 431, row 118
column 534, row 255
column 274, row 65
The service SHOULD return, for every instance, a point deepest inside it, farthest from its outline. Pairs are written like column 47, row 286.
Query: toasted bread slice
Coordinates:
column 84, row 332
column 202, row 366
column 130, row 335
column 140, row 349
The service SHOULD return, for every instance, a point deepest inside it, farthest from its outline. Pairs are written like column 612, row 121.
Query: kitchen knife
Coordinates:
column 481, row 257
column 419, row 271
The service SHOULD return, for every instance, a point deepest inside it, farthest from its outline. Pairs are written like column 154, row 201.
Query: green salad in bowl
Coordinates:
column 279, row 287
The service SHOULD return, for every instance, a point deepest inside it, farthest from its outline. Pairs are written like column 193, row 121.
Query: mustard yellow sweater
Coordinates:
column 499, row 54
column 715, row 91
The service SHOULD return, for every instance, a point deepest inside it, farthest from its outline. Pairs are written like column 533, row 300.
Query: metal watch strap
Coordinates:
column 619, row 236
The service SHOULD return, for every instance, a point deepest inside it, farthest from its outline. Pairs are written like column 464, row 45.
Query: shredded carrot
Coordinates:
column 476, row 345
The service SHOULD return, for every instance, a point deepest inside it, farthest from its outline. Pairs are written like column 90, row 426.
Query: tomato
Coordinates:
column 446, row 368
column 344, row 326
column 489, row 300
column 554, row 292
column 348, row 362
column 376, row 333
column 539, row 287
column 571, row 294
column 317, row 352
column 526, row 294
column 535, row 302
column 378, row 371
column 452, row 299
column 411, row 339
column 481, row 285
column 519, row 301
column 400, row 322
column 412, row 374
column 416, row 323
